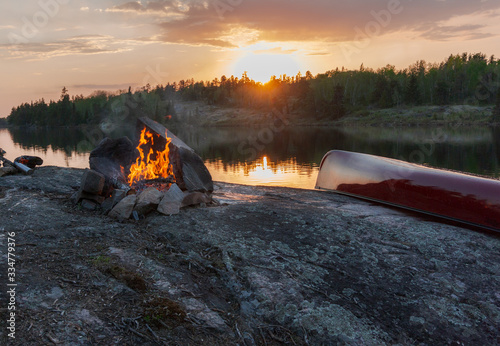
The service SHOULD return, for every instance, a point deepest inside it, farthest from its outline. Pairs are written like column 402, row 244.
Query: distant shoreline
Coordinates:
column 199, row 114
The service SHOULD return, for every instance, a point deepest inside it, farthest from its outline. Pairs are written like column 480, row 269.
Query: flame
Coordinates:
column 153, row 165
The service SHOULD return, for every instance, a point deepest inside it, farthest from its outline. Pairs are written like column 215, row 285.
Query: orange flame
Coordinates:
column 154, row 165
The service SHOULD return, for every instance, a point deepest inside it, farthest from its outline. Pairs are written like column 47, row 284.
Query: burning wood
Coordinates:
column 188, row 168
column 160, row 161
column 154, row 165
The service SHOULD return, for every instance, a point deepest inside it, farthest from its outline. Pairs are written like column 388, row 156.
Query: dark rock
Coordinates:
column 124, row 208
column 48, row 179
column 107, row 205
column 195, row 198
column 110, row 156
column 116, row 196
column 89, row 205
column 80, row 195
column 190, row 171
column 171, row 202
column 92, row 182
column 148, row 200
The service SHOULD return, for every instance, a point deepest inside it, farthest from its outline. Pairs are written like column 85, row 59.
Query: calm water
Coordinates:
column 285, row 158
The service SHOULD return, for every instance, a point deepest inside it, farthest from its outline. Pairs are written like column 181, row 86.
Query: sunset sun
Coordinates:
column 260, row 67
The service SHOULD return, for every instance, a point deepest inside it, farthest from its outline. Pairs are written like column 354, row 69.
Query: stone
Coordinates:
column 124, row 208
column 89, row 205
column 190, row 172
column 92, row 182
column 116, row 196
column 107, row 205
column 109, row 157
column 148, row 200
column 195, row 198
column 169, row 208
column 80, row 195
column 171, row 202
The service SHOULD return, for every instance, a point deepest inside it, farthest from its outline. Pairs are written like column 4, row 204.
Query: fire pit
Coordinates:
column 161, row 172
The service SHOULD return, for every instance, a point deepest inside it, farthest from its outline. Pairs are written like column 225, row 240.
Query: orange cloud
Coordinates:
column 209, row 22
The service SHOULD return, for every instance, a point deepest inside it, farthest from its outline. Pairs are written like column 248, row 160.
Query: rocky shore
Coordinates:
column 268, row 266
column 200, row 114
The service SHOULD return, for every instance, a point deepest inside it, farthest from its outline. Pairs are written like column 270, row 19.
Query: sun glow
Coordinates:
column 261, row 67
column 264, row 171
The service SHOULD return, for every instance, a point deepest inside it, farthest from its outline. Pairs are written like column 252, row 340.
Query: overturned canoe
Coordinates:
column 456, row 196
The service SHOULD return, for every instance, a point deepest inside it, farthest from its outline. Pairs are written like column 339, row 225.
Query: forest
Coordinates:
column 472, row 79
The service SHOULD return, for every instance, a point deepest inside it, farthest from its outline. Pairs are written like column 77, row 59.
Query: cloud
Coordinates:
column 195, row 30
column 211, row 22
column 319, row 53
column 77, row 45
column 463, row 32
column 137, row 7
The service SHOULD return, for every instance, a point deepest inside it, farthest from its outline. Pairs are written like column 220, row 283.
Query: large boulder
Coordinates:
column 109, row 157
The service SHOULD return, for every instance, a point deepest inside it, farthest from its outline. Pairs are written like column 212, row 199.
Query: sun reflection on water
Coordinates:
column 264, row 171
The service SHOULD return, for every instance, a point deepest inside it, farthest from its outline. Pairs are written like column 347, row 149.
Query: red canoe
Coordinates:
column 460, row 197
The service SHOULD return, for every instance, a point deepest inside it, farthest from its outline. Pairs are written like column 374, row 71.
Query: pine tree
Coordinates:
column 337, row 106
column 441, row 94
column 412, row 94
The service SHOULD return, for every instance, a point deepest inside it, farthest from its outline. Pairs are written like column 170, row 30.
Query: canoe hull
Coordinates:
column 459, row 197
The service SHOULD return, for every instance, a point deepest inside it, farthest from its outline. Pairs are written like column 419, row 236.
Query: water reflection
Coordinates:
column 264, row 172
column 38, row 143
column 290, row 158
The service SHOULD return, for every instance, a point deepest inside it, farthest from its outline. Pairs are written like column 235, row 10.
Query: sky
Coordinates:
column 88, row 45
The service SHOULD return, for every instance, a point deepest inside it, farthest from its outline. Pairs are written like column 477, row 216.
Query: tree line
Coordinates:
column 472, row 79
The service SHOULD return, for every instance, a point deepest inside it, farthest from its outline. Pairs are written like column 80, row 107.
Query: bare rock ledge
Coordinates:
column 268, row 266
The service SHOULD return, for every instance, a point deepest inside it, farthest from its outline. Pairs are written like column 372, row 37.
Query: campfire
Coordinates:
column 153, row 169
column 160, row 172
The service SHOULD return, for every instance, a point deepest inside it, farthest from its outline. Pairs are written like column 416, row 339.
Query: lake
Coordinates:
column 279, row 157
